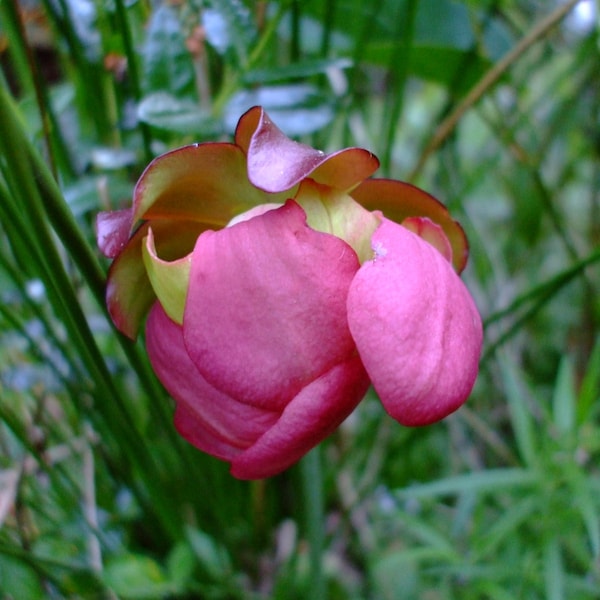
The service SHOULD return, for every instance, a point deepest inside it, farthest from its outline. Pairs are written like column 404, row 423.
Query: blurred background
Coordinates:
column 493, row 106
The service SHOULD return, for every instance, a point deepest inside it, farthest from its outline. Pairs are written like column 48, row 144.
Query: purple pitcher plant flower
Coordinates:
column 277, row 283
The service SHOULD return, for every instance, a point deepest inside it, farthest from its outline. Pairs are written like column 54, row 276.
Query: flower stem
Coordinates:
column 312, row 483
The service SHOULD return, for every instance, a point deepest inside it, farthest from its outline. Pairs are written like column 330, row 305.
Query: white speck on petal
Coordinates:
column 379, row 251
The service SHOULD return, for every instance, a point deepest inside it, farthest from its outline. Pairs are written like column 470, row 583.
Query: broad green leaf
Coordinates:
column 167, row 63
column 166, row 111
column 136, row 577
column 19, row 580
column 211, row 555
column 298, row 109
column 229, row 27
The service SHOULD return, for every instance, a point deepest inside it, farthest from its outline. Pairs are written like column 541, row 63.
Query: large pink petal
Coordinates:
column 416, row 327
column 309, row 418
column 266, row 308
column 277, row 163
column 209, row 419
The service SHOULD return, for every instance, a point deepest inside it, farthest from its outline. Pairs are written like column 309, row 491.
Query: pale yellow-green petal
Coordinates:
column 169, row 279
column 332, row 211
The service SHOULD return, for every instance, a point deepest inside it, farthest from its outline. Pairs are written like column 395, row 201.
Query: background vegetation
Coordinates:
column 494, row 107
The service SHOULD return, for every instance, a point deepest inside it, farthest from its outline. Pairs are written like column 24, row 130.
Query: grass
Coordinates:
column 492, row 107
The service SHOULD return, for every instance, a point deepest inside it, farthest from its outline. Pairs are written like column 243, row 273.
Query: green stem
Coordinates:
column 134, row 75
column 312, row 484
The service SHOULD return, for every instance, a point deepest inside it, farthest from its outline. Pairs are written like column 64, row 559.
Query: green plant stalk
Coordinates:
column 353, row 80
column 328, row 24
column 51, row 206
column 312, row 484
column 70, row 233
column 404, row 35
column 132, row 67
column 88, row 77
column 17, row 49
column 44, row 254
column 72, row 237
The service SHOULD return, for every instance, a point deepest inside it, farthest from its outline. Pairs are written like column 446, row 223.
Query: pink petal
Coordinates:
column 310, row 417
column 209, row 419
column 433, row 234
column 398, row 200
column 112, row 231
column 276, row 163
column 416, row 327
column 266, row 307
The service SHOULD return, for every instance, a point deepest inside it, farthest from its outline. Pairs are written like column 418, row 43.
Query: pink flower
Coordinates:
column 276, row 293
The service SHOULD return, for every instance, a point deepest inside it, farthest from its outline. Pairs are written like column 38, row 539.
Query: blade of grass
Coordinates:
column 554, row 572
column 536, row 297
column 521, row 419
column 488, row 81
column 312, row 484
column 45, row 256
column 133, row 71
column 563, row 397
column 589, row 392
column 480, row 482
column 398, row 68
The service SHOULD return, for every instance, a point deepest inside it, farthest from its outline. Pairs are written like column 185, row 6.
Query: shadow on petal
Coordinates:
column 308, row 419
column 210, row 420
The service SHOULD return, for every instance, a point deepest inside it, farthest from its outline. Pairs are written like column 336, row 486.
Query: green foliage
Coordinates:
column 491, row 106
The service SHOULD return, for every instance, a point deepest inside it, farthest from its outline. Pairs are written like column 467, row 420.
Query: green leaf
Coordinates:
column 446, row 65
column 229, row 28
column 19, row 580
column 166, row 111
column 211, row 555
column 136, row 577
column 520, row 416
column 589, row 392
column 480, row 481
column 563, row 398
column 587, row 506
column 167, row 63
column 518, row 513
column 395, row 576
column 554, row 571
column 305, row 68
column 298, row 109
column 181, row 563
